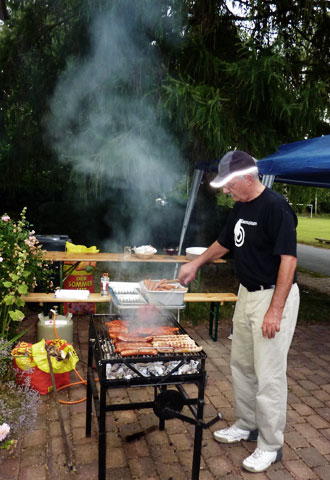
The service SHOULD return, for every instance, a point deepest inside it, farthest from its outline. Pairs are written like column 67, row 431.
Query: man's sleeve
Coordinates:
column 283, row 222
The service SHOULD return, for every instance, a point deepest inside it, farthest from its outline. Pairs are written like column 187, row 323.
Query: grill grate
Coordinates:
column 107, row 348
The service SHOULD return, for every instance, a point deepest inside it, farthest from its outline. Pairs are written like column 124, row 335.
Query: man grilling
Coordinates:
column 261, row 234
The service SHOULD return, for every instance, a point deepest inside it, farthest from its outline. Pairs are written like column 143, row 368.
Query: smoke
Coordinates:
column 103, row 115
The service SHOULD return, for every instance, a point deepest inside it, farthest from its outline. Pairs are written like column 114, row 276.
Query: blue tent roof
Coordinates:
column 300, row 163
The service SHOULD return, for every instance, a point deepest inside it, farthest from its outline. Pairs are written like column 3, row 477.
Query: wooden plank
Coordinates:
column 37, row 297
column 114, row 257
column 210, row 297
column 50, row 298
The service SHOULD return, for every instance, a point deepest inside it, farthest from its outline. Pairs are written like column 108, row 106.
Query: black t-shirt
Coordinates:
column 257, row 233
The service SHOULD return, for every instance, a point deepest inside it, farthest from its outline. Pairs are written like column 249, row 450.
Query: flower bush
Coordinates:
column 21, row 269
column 18, row 403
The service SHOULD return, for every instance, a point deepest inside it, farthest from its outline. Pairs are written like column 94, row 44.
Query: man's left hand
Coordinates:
column 272, row 323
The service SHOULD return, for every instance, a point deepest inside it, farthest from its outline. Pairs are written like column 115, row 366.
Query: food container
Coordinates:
column 193, row 252
column 171, row 251
column 164, row 297
column 145, row 251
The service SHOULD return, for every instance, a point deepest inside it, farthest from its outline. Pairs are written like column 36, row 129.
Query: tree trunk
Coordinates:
column 3, row 11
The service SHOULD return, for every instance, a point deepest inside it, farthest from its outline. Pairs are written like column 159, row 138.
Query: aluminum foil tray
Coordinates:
column 126, row 294
column 131, row 299
column 125, row 287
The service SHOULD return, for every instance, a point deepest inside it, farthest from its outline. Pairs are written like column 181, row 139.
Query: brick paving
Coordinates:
column 167, row 455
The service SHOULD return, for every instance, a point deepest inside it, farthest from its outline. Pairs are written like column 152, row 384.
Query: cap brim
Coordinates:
column 217, row 182
column 220, row 181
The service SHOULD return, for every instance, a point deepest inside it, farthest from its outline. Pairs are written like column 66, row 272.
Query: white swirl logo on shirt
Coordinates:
column 239, row 233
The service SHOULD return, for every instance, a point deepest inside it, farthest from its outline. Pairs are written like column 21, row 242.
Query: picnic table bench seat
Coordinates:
column 322, row 240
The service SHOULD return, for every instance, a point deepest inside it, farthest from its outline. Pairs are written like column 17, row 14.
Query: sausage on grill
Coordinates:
column 142, row 351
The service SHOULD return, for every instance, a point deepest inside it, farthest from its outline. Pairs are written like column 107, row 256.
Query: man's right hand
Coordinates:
column 187, row 273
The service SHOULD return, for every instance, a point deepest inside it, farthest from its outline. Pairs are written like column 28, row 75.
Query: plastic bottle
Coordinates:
column 105, row 284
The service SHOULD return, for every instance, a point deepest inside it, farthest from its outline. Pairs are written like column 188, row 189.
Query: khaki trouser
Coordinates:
column 259, row 366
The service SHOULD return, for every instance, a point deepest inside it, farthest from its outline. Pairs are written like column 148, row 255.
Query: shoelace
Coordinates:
column 257, row 453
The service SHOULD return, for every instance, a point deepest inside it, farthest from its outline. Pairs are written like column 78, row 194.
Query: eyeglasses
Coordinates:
column 230, row 185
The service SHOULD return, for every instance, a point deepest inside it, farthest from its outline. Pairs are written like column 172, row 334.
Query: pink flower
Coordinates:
column 4, row 430
column 1, row 259
column 5, row 218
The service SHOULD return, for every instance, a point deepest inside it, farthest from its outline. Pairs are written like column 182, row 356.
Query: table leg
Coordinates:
column 214, row 317
column 198, row 286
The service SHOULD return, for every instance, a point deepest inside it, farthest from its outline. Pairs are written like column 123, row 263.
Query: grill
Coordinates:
column 166, row 373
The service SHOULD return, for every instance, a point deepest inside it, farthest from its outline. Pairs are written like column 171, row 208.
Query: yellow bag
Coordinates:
column 39, row 355
column 23, row 356
column 72, row 248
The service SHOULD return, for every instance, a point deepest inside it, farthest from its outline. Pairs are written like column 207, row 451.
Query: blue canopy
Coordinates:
column 300, row 163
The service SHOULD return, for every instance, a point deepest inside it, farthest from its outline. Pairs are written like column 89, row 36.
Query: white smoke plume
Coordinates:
column 103, row 115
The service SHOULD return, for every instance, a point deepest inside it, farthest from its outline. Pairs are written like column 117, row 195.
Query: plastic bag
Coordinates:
column 28, row 372
column 71, row 247
column 39, row 354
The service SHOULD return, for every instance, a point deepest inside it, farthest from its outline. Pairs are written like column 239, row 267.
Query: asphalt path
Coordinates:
column 314, row 259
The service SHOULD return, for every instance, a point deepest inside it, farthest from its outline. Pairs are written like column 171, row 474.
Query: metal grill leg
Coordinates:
column 198, row 431
column 102, row 434
column 89, row 392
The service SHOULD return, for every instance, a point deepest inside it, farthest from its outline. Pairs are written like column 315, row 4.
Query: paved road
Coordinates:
column 314, row 259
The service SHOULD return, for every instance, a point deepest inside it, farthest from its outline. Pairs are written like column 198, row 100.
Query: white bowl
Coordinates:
column 193, row 252
column 145, row 251
column 144, row 256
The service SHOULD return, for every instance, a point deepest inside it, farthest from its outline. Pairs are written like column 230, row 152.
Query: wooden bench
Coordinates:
column 215, row 299
column 50, row 298
column 322, row 240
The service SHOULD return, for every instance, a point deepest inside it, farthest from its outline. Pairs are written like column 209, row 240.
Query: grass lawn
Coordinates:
column 309, row 228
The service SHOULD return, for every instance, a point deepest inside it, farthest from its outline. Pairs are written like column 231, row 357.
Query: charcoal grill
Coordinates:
column 170, row 395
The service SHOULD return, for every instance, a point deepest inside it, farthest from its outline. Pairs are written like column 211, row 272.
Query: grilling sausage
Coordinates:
column 120, row 346
column 134, row 352
column 122, row 337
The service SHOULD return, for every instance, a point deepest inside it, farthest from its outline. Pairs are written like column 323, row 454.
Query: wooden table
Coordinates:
column 61, row 257
column 115, row 257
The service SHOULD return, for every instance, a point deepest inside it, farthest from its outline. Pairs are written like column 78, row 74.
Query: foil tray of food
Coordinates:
column 163, row 292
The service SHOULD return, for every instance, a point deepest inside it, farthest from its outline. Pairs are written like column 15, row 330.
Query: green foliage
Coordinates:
column 225, row 200
column 21, row 269
column 302, row 197
column 247, row 78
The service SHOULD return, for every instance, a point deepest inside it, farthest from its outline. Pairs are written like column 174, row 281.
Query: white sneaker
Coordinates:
column 260, row 460
column 234, row 434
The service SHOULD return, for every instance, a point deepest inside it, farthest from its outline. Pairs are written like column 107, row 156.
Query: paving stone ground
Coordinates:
column 167, row 455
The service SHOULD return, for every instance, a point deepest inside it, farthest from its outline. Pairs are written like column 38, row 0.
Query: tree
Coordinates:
column 35, row 42
column 252, row 77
